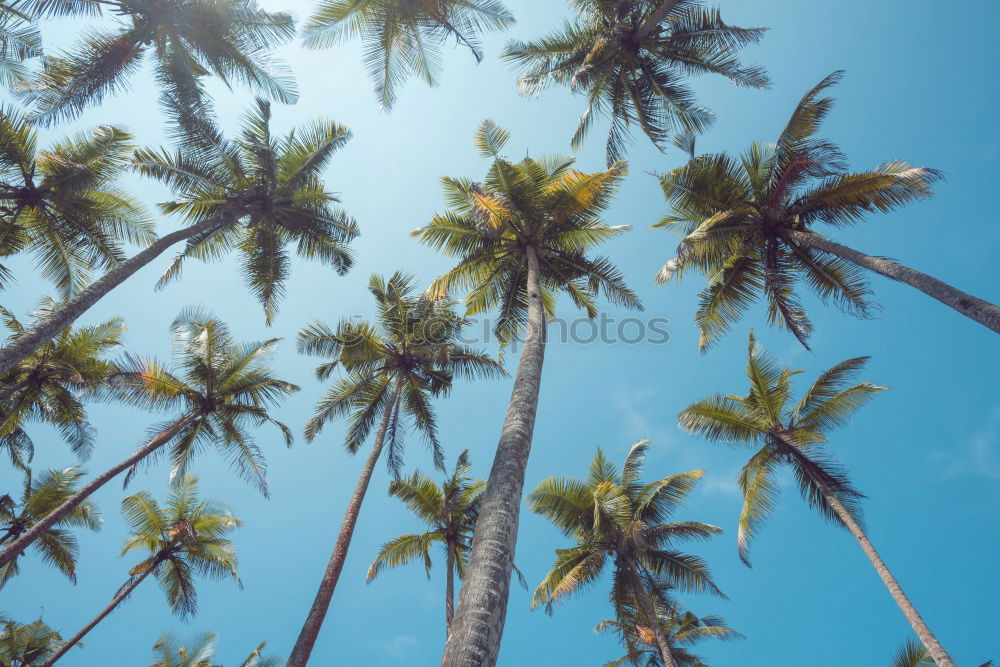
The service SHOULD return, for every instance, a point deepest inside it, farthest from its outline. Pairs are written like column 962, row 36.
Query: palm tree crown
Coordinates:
column 27, row 644
column 630, row 58
column 20, row 40
column 169, row 652
column 403, row 37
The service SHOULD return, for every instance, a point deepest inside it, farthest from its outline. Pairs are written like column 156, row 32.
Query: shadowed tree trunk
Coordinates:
column 21, row 543
column 317, row 613
column 476, row 629
column 974, row 308
column 650, row 24
column 649, row 611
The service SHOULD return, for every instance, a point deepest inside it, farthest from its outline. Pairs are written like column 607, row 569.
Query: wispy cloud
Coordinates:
column 399, row 647
column 980, row 456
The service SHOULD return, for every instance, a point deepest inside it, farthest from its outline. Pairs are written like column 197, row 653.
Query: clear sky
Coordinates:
column 920, row 86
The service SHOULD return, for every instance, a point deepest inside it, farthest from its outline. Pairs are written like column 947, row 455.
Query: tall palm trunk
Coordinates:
column 123, row 593
column 46, row 330
column 317, row 613
column 482, row 602
column 974, row 308
column 649, row 611
column 21, row 543
column 449, row 591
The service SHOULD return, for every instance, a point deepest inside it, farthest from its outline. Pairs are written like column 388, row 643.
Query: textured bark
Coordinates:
column 45, row 331
column 21, row 543
column 115, row 601
column 477, row 627
column 317, row 613
column 974, row 308
column 653, row 21
column 449, row 592
column 649, row 610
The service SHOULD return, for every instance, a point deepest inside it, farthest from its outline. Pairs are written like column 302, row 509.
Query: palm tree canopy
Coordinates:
column 20, row 40
column 736, row 214
column 415, row 341
column 613, row 516
column 630, row 61
column 62, row 205
column 913, row 654
column 227, row 388
column 27, row 644
column 184, row 537
column 40, row 495
column 539, row 205
column 404, row 37
column 190, row 39
column 784, row 434
column 264, row 191
column 170, row 652
column 50, row 385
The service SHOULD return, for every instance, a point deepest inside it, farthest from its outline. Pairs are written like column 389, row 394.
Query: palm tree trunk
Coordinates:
column 974, row 308
column 938, row 654
column 21, row 543
column 649, row 611
column 123, row 593
column 449, row 591
column 650, row 24
column 317, row 613
column 477, row 627
column 44, row 331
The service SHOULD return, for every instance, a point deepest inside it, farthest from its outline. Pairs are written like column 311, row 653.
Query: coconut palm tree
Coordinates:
column 20, row 40
column 450, row 511
column 631, row 58
column 189, row 39
column 749, row 225
column 41, row 494
column 392, row 368
column 169, row 652
column 50, row 385
column 187, row 536
column 522, row 236
column 61, row 204
column 222, row 395
column 404, row 37
column 613, row 518
column 794, row 436
column 257, row 194
column 27, row 644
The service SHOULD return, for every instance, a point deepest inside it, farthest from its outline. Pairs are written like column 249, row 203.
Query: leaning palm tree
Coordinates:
column 27, row 644
column 392, row 368
column 50, row 385
column 522, row 236
column 613, row 517
column 403, row 37
column 187, row 536
column 222, row 395
column 61, row 204
column 749, row 225
column 794, row 436
column 169, row 652
column 257, row 194
column 40, row 495
column 189, row 39
column 450, row 511
column 631, row 58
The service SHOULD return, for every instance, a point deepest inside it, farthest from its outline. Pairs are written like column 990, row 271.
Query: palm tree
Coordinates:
column 613, row 516
column 450, row 511
column 20, row 40
column 61, row 204
column 187, row 536
column 393, row 367
column 794, row 436
column 201, row 653
column 630, row 58
column 49, row 386
column 403, row 37
column 190, row 39
column 257, row 194
column 912, row 654
column 40, row 495
column 748, row 225
column 223, row 394
column 27, row 644
column 521, row 237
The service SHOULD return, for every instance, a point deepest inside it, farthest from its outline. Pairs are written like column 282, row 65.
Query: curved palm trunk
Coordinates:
column 449, row 591
column 21, row 543
column 43, row 332
column 317, row 613
column 123, row 593
column 649, row 611
column 974, row 308
column 476, row 629
column 655, row 20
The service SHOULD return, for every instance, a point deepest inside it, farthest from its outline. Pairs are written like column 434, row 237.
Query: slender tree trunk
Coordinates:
column 10, row 390
column 44, row 331
column 449, row 591
column 649, row 610
column 317, row 613
column 115, row 601
column 476, row 629
column 21, row 543
column 974, row 308
column 656, row 18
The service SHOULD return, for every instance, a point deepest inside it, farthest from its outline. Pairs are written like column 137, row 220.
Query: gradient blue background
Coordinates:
column 921, row 85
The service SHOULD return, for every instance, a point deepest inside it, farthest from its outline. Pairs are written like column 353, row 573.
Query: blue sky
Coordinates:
column 920, row 86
